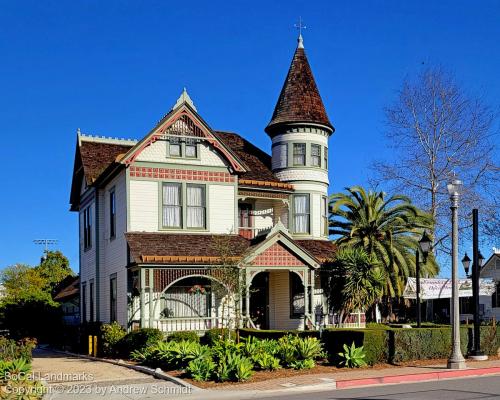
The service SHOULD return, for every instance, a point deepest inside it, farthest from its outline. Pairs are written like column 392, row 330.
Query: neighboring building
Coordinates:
column 491, row 269
column 154, row 212
column 68, row 295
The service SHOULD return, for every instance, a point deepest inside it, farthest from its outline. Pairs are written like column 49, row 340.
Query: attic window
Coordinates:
column 174, row 147
column 191, row 148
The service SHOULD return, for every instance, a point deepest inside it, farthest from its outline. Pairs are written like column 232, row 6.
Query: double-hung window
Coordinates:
column 325, row 157
column 87, row 228
column 315, row 155
column 195, row 206
column 174, row 148
column 324, row 214
column 112, row 298
column 91, row 295
column 280, row 155
column 191, row 148
column 299, row 154
column 301, row 213
column 112, row 214
column 172, row 205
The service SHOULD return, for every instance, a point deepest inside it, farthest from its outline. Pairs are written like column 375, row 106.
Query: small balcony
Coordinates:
column 256, row 217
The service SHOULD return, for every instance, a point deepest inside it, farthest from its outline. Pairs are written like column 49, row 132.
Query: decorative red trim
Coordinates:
column 208, row 136
column 181, row 174
column 277, row 255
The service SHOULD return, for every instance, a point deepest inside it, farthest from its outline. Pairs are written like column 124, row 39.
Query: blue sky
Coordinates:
column 114, row 68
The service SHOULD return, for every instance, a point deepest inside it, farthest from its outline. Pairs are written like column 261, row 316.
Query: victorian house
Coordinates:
column 153, row 214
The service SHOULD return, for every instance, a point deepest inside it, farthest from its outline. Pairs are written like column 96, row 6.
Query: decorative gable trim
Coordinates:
column 183, row 121
column 279, row 235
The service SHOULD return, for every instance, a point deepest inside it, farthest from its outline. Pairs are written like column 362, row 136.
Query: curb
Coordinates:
column 157, row 373
column 409, row 378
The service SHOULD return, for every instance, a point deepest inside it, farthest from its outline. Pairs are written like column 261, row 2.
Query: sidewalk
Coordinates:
column 366, row 377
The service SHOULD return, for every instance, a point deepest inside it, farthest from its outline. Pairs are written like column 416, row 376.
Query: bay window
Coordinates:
column 315, row 155
column 301, row 213
column 299, row 154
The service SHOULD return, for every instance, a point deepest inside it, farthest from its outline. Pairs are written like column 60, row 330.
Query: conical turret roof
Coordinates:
column 299, row 99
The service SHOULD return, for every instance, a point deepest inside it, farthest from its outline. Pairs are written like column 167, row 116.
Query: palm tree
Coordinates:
column 354, row 281
column 388, row 229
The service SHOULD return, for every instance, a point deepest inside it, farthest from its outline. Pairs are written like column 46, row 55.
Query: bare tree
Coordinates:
column 435, row 128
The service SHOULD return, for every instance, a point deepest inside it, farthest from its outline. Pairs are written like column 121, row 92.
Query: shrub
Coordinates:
column 309, row 348
column 242, row 367
column 287, row 349
column 216, row 334
column 111, row 334
column 190, row 336
column 303, row 364
column 353, row 357
column 374, row 341
column 201, row 369
column 139, row 339
column 275, row 334
column 266, row 361
column 10, row 349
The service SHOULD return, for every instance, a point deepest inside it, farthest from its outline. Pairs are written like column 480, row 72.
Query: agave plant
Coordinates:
column 353, row 357
column 309, row 348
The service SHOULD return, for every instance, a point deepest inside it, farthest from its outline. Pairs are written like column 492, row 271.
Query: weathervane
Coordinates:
column 300, row 26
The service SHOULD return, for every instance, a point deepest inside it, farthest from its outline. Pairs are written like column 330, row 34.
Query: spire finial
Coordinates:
column 300, row 26
column 184, row 98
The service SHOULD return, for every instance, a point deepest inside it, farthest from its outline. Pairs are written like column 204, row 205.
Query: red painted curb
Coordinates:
column 408, row 378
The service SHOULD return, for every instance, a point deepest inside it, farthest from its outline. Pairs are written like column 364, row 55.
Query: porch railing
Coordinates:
column 200, row 324
column 353, row 320
column 252, row 232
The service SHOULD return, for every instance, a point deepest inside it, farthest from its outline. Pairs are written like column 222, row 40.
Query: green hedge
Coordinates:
column 375, row 342
column 138, row 340
column 275, row 334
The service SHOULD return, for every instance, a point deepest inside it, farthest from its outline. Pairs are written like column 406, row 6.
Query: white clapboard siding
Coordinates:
column 279, row 302
column 144, row 206
column 221, row 213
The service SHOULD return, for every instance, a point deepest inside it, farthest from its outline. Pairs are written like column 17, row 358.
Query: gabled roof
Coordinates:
column 299, row 100
column 68, row 288
column 174, row 248
column 93, row 156
column 257, row 162
column 190, row 249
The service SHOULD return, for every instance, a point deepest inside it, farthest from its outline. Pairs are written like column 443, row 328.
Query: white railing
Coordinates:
column 200, row 324
column 252, row 232
column 353, row 320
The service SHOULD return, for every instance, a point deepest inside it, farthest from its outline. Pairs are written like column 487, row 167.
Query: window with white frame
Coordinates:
column 172, row 205
column 324, row 214
column 315, row 155
column 112, row 214
column 191, row 148
column 174, row 148
column 299, row 154
column 87, row 228
column 280, row 154
column 301, row 213
column 195, row 206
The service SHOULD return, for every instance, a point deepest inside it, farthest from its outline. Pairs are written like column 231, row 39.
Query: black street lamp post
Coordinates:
column 477, row 263
column 424, row 246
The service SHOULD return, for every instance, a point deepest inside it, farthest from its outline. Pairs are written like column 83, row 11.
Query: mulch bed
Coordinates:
column 260, row 376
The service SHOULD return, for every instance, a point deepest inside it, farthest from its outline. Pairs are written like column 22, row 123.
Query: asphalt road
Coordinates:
column 484, row 388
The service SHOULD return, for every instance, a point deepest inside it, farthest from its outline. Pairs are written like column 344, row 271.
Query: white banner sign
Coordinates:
column 441, row 288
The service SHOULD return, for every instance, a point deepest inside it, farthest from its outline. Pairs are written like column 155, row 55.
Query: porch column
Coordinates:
column 312, row 311
column 306, row 296
column 142, row 282
column 247, row 298
column 151, row 304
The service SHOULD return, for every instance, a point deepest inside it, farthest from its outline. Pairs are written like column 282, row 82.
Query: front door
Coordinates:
column 259, row 300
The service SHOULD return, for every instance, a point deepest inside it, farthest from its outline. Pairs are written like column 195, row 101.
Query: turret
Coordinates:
column 300, row 130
